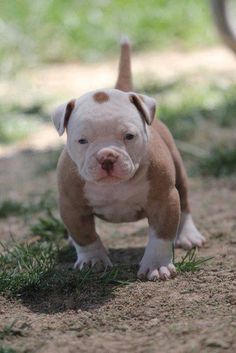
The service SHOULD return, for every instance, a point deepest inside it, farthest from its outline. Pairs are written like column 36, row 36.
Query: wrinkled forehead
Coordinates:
column 105, row 106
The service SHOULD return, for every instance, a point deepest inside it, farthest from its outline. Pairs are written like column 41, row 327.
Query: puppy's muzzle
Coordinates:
column 107, row 158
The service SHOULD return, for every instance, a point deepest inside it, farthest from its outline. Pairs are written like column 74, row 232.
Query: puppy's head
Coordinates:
column 107, row 133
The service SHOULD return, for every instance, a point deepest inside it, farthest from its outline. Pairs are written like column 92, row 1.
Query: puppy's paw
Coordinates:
column 188, row 236
column 157, row 259
column 93, row 255
column 98, row 261
column 153, row 273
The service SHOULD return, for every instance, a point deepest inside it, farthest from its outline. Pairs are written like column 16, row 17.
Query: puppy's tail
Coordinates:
column 124, row 80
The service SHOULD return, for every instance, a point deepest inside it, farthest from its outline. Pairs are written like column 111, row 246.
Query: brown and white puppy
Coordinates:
column 120, row 164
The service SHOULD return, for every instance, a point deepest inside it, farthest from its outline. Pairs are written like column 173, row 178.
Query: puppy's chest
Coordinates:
column 123, row 202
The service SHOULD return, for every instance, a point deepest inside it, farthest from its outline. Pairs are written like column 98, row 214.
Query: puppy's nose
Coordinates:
column 107, row 165
column 107, row 156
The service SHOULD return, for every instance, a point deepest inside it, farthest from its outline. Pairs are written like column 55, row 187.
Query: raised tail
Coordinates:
column 124, row 80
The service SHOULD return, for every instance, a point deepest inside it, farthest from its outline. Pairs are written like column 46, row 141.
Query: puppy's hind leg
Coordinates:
column 188, row 236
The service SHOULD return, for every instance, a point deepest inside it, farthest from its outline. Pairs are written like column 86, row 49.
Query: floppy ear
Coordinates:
column 145, row 105
column 61, row 116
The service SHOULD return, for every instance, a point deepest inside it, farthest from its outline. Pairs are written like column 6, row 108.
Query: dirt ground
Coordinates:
column 195, row 312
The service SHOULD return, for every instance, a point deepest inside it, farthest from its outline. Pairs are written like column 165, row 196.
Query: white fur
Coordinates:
column 188, row 235
column 120, row 202
column 157, row 259
column 104, row 126
column 58, row 118
column 90, row 255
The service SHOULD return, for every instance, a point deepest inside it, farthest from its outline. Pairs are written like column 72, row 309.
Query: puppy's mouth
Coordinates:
column 109, row 178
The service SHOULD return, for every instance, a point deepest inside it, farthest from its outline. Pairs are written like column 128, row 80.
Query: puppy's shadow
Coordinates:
column 67, row 289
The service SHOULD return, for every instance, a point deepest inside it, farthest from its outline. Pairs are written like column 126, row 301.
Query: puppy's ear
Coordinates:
column 61, row 116
column 145, row 105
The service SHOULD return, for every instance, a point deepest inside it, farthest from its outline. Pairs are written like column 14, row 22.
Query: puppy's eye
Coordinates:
column 83, row 141
column 129, row 136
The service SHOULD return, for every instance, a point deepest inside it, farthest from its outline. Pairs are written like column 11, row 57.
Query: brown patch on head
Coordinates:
column 100, row 97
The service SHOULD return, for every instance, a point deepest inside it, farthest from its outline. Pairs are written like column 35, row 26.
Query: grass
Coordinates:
column 184, row 107
column 7, row 330
column 195, row 114
column 25, row 269
column 17, row 122
column 190, row 262
column 12, row 330
column 10, row 207
column 220, row 162
column 24, row 266
column 43, row 266
column 89, row 31
column 7, row 350
column 14, row 127
column 49, row 228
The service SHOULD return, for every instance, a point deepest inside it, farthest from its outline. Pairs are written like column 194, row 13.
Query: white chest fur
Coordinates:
column 118, row 203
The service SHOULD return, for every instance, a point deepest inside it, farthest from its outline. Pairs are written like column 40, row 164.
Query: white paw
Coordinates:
column 154, row 272
column 93, row 255
column 157, row 259
column 188, row 236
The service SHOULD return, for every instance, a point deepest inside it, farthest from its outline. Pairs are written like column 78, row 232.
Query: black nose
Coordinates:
column 107, row 165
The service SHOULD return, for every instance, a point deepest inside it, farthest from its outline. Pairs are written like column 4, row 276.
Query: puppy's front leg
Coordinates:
column 89, row 248
column 163, row 225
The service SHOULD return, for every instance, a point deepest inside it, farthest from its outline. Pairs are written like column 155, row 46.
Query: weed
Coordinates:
column 15, row 208
column 15, row 126
column 190, row 262
column 156, row 24
column 25, row 269
column 7, row 350
column 49, row 227
column 184, row 108
column 221, row 161
column 12, row 208
column 11, row 330
column 25, row 266
column 17, row 122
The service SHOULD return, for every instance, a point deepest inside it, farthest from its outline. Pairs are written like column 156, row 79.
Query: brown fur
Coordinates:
column 100, row 97
column 163, row 205
column 124, row 80
column 69, row 108
column 181, row 182
column 75, row 211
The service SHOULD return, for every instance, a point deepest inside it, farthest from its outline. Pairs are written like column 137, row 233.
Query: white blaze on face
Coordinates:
column 107, row 140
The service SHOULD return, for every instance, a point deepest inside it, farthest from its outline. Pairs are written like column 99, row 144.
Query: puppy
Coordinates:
column 121, row 164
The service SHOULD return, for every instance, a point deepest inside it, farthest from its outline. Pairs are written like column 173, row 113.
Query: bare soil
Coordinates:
column 195, row 312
